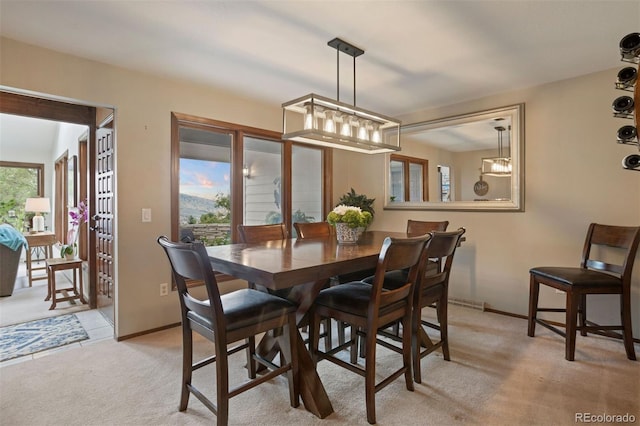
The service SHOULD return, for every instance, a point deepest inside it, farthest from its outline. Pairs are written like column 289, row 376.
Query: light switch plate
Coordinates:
column 146, row 215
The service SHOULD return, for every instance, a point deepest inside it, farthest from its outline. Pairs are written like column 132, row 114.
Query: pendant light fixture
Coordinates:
column 499, row 166
column 318, row 120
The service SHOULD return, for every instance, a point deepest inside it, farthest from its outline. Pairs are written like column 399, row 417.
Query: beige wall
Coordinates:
column 573, row 177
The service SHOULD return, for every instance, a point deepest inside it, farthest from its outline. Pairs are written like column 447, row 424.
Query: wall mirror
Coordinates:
column 468, row 162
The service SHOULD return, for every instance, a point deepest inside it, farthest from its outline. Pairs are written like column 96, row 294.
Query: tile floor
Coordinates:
column 93, row 322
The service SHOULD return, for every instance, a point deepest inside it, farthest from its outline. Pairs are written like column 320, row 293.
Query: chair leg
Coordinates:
column 573, row 302
column 370, row 376
column 627, row 332
column 406, row 350
column 187, row 361
column 444, row 332
column 353, row 349
column 222, row 384
column 328, row 334
column 582, row 315
column 251, row 351
column 341, row 333
column 534, row 289
column 415, row 344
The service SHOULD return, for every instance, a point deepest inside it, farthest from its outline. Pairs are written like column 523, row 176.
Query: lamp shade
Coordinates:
column 37, row 205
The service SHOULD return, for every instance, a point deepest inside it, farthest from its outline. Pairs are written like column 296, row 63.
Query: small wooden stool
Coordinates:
column 61, row 264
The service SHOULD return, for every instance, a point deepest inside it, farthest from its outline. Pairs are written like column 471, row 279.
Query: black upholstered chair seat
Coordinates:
column 576, row 276
column 246, row 307
column 398, row 278
column 353, row 298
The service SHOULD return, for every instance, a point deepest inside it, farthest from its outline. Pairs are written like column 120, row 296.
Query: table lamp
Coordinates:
column 37, row 205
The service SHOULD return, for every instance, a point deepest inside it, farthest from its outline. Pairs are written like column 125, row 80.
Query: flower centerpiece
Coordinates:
column 350, row 222
column 78, row 218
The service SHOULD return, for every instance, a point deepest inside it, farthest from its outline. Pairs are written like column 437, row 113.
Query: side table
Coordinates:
column 61, row 264
column 44, row 240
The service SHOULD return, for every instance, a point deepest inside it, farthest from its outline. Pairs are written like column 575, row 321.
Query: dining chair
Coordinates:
column 432, row 291
column 226, row 319
column 597, row 274
column 305, row 230
column 421, row 227
column 259, row 233
column 414, row 229
column 369, row 308
column 250, row 234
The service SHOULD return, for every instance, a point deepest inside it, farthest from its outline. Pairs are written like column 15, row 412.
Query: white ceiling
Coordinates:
column 419, row 54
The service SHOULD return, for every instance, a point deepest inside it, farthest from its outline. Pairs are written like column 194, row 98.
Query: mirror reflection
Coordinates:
column 467, row 162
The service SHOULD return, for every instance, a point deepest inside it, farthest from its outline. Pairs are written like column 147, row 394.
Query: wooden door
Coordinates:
column 103, row 221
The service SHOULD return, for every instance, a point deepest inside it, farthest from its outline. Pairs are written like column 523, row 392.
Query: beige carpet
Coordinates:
column 497, row 376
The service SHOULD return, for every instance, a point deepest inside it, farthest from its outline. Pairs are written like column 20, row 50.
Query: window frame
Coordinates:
column 38, row 166
column 406, row 162
column 238, row 132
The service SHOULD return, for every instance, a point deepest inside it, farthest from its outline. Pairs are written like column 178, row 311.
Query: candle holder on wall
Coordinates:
column 625, row 106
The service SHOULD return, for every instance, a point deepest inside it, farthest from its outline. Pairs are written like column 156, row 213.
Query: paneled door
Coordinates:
column 103, row 222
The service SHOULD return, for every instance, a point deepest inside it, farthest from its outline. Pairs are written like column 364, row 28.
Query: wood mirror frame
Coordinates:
column 418, row 140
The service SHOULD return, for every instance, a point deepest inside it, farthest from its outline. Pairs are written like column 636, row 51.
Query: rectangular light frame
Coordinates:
column 293, row 124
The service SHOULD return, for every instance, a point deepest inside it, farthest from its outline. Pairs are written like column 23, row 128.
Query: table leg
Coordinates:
column 314, row 396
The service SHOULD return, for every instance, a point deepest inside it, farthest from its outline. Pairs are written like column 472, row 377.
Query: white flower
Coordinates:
column 342, row 209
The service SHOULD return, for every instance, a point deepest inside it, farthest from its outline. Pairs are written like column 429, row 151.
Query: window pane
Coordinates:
column 16, row 185
column 262, row 186
column 415, row 182
column 397, row 180
column 205, row 186
column 306, row 185
column 445, row 183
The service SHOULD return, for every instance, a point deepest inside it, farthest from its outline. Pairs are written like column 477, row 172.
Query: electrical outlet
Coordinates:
column 164, row 289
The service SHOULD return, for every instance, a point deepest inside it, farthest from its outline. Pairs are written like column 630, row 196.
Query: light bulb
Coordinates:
column 375, row 133
column 345, row 125
column 329, row 122
column 363, row 132
column 309, row 119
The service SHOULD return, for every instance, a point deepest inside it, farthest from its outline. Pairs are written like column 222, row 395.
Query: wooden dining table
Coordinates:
column 304, row 266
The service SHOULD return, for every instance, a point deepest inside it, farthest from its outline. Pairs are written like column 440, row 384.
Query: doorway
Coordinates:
column 47, row 107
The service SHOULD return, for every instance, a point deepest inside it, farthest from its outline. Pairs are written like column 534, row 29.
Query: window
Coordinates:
column 445, row 183
column 225, row 174
column 19, row 181
column 408, row 179
column 205, row 185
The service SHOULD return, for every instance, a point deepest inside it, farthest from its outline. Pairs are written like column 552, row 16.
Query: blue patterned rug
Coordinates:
column 36, row 336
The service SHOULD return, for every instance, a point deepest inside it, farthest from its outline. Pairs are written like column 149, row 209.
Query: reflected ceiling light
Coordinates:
column 499, row 166
column 318, row 120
